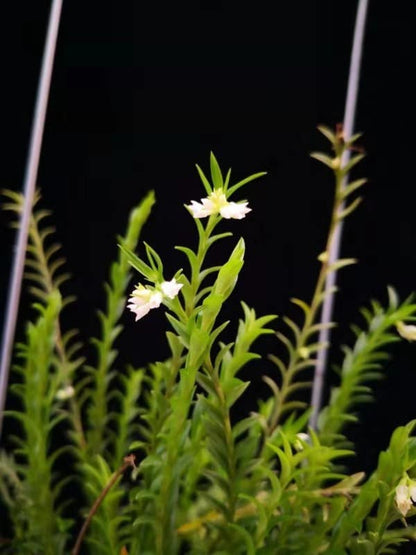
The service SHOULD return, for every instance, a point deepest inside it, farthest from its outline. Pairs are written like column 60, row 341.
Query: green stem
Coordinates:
column 231, row 502
column 164, row 539
column 200, row 257
column 316, row 302
column 75, row 412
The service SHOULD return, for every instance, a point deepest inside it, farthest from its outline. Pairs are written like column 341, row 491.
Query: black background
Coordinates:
column 142, row 92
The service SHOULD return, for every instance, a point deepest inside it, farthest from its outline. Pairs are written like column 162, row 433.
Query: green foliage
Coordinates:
column 126, row 417
column 102, row 374
column 106, row 529
column 42, row 261
column 37, row 516
column 301, row 344
column 362, row 364
column 43, row 272
column 370, row 521
column 205, row 480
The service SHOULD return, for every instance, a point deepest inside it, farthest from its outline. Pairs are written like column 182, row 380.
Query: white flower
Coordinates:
column 402, row 499
column 304, row 437
column 65, row 393
column 405, row 495
column 406, row 331
column 198, row 210
column 301, row 439
column 216, row 203
column 143, row 299
column 235, row 210
column 171, row 288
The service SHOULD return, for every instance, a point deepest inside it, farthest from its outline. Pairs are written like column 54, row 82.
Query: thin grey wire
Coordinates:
column 31, row 173
column 349, row 118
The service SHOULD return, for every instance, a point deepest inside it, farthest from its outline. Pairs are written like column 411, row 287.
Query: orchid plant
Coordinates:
column 153, row 460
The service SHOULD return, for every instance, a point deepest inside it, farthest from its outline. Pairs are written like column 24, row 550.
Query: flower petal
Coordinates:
column 406, row 331
column 171, row 288
column 402, row 499
column 141, row 295
column 155, row 299
column 198, row 210
column 142, row 300
column 65, row 393
column 138, row 310
column 235, row 210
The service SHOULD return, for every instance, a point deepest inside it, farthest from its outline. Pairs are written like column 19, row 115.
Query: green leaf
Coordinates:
column 350, row 208
column 353, row 162
column 341, row 263
column 198, row 344
column 393, row 298
column 243, row 182
column 328, row 133
column 211, row 307
column 175, row 344
column 138, row 264
column 204, row 180
column 324, row 158
column 154, row 259
column 249, row 547
column 304, row 306
column 190, row 255
column 353, row 186
column 138, row 218
column 233, row 390
column 216, row 174
column 227, row 179
column 227, row 276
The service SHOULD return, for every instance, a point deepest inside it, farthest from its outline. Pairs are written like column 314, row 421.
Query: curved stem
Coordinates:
column 128, row 461
column 314, row 306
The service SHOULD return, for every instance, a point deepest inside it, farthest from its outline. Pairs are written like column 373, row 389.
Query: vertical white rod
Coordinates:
column 348, row 126
column 30, row 178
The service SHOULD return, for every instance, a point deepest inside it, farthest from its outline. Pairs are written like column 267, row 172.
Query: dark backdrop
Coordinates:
column 142, row 91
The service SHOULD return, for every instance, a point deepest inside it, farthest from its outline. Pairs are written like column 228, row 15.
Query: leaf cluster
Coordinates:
column 204, row 480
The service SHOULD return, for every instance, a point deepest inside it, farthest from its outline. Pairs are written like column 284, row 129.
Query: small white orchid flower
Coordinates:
column 171, row 288
column 235, row 210
column 65, row 393
column 406, row 331
column 217, row 203
column 143, row 299
column 402, row 499
column 198, row 210
column 301, row 439
column 405, row 495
